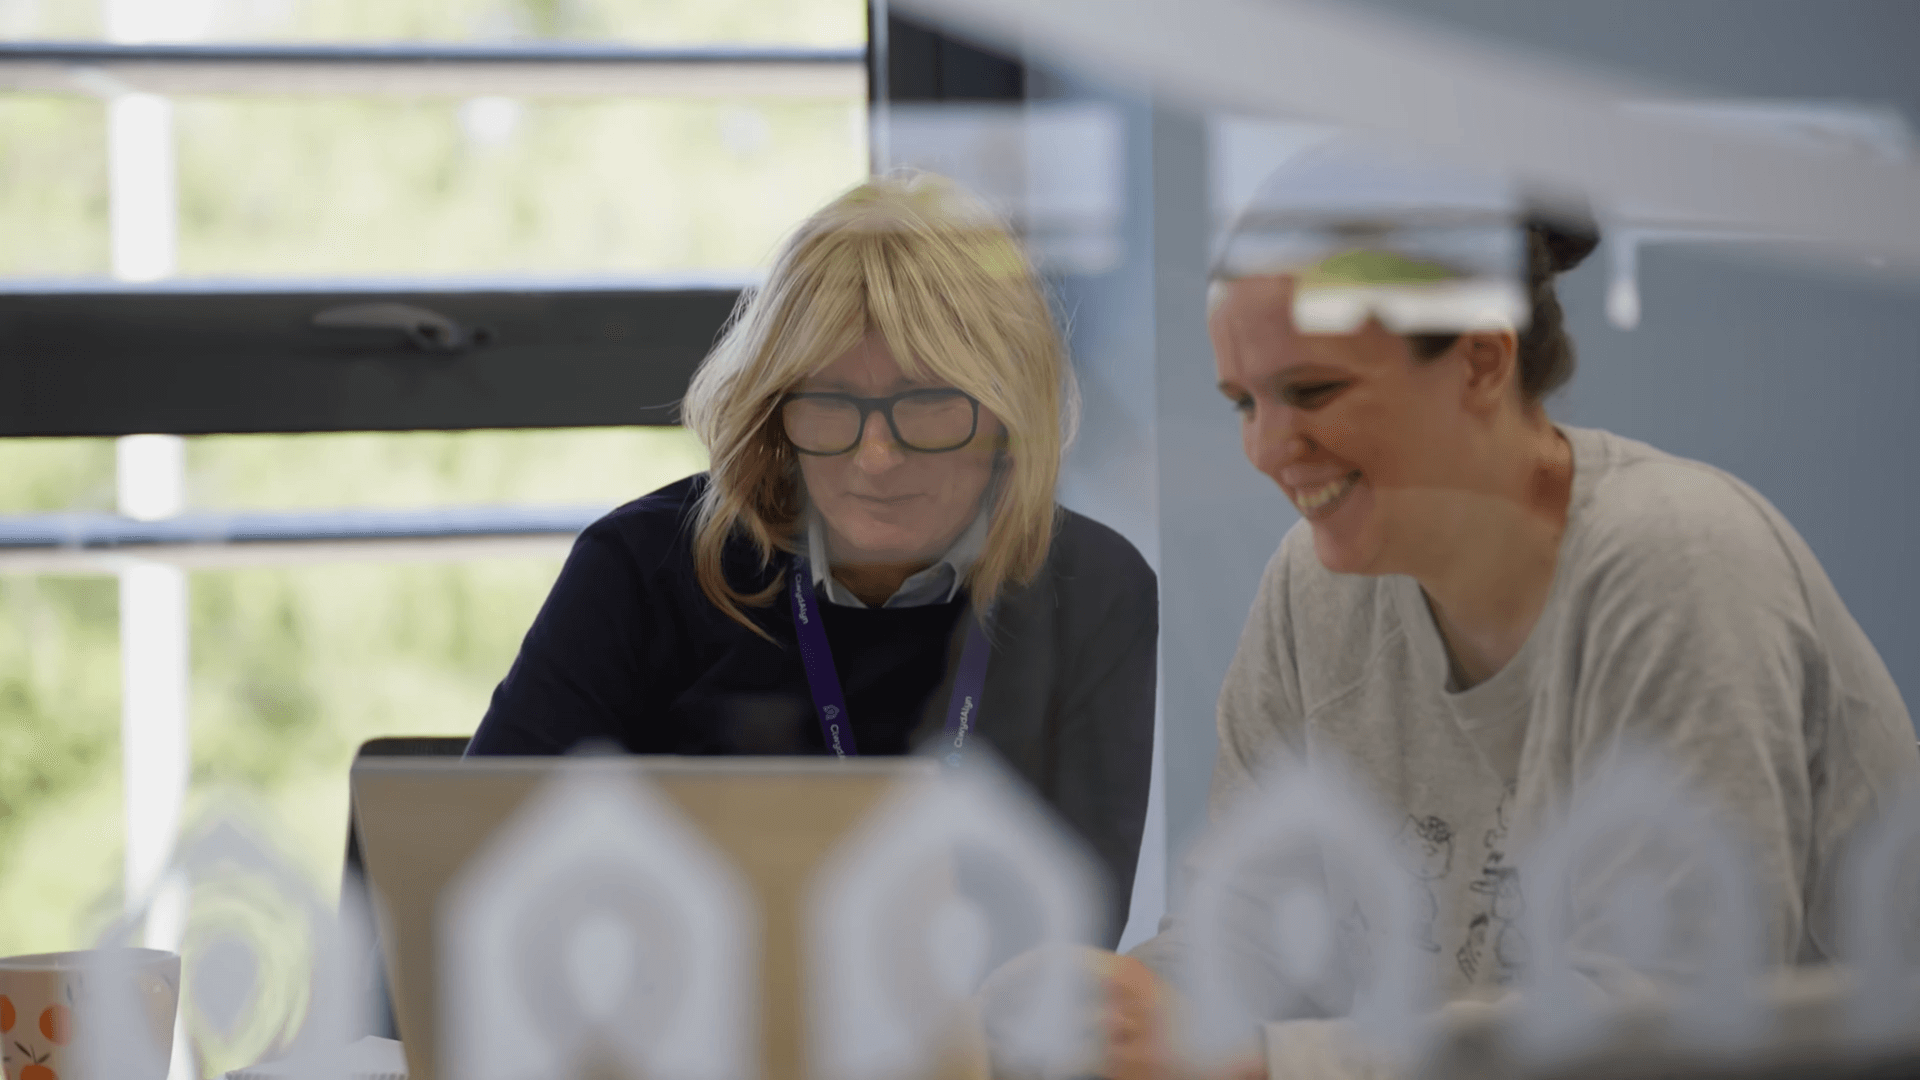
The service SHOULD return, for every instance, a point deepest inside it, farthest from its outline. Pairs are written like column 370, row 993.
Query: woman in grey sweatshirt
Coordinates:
column 1480, row 607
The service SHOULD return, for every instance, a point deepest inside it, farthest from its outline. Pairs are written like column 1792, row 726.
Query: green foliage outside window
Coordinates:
column 292, row 667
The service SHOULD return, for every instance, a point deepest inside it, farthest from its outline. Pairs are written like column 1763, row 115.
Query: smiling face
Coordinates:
column 883, row 504
column 1367, row 442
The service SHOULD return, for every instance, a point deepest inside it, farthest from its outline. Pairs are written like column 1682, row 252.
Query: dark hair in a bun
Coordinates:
column 1570, row 236
column 1557, row 241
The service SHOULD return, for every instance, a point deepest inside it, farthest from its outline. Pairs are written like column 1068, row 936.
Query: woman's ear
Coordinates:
column 1492, row 358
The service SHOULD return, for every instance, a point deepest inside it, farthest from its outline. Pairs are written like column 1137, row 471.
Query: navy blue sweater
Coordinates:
column 628, row 648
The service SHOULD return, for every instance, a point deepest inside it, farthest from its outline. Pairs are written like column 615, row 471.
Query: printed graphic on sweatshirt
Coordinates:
column 1495, row 934
column 1429, row 840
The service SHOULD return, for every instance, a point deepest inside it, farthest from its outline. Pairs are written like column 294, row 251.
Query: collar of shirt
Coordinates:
column 937, row 584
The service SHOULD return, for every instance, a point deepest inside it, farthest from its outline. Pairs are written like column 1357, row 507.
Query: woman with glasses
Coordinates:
column 874, row 558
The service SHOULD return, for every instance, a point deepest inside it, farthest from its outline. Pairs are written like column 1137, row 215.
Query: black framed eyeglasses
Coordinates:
column 931, row 421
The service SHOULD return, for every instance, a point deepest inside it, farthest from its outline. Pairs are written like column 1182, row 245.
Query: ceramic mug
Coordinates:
column 47, row 997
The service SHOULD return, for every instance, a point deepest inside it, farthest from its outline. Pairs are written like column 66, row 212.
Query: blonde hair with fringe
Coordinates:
column 943, row 281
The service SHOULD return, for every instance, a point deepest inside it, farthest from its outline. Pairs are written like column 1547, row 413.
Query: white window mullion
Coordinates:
column 150, row 484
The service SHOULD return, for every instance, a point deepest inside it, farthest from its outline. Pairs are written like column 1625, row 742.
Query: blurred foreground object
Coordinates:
column 958, row 880
column 1880, row 938
column 1643, row 890
column 1367, row 232
column 1638, row 940
column 1303, row 910
column 598, row 930
column 268, row 970
column 1806, row 1037
column 1500, row 108
column 371, row 1058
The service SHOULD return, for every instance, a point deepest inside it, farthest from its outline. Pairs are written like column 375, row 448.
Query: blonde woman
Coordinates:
column 875, row 558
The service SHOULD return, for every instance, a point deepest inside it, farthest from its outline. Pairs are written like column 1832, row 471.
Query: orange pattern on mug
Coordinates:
column 36, row 1070
column 56, row 1023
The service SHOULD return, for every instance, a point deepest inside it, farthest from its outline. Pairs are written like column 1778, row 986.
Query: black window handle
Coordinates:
column 426, row 330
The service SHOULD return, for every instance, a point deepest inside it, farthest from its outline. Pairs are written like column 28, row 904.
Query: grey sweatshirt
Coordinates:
column 1685, row 615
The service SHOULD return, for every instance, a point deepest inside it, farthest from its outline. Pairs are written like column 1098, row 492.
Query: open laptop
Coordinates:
column 419, row 820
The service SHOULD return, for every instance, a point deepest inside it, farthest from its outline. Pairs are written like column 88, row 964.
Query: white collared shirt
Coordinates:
column 937, row 584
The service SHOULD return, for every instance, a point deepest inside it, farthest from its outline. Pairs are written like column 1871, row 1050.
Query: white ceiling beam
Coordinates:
column 1548, row 120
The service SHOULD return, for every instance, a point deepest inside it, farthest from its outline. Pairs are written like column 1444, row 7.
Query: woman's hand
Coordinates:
column 1135, row 1022
column 1127, row 1024
column 1138, row 1042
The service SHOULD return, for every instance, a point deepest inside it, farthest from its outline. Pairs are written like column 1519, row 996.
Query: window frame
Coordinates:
column 94, row 358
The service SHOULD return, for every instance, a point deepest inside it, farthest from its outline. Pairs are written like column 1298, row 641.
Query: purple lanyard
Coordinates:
column 963, row 708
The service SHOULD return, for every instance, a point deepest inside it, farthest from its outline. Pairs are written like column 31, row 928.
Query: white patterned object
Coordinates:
column 956, row 883
column 598, row 929
column 267, row 968
column 1304, row 908
column 1371, row 231
column 126, row 999
column 371, row 1058
column 1642, row 894
column 1880, row 938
